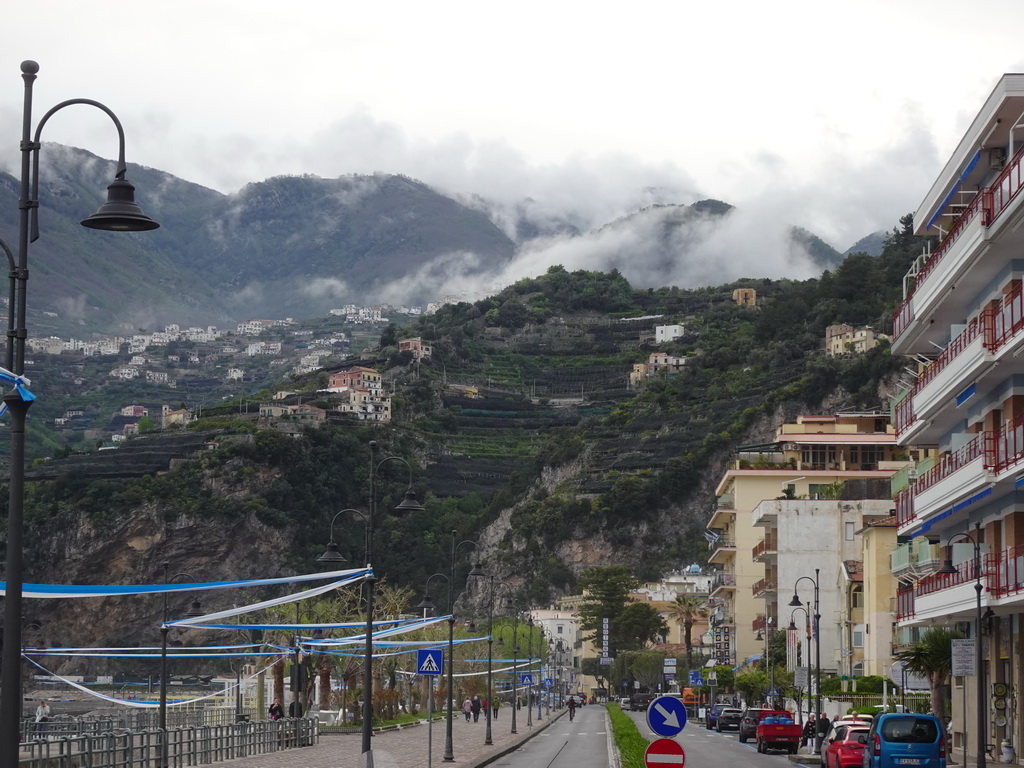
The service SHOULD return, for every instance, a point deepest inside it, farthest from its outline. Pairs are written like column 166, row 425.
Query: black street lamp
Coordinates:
column 119, row 214
column 428, row 606
column 767, row 657
column 515, row 670
column 816, row 627
column 479, row 572
column 807, row 646
column 449, row 751
column 949, row 568
column 195, row 610
column 408, row 504
column 331, row 554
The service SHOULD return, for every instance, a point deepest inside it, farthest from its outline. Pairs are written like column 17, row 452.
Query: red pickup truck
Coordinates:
column 776, row 729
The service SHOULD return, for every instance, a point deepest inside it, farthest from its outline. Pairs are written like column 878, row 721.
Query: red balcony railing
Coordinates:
column 1007, row 572
column 768, row 545
column 951, row 462
column 904, row 415
column 965, row 574
column 1006, row 320
column 905, row 506
column 989, row 203
column 1006, row 445
column 904, row 603
column 763, row 585
column 953, row 349
column 760, row 624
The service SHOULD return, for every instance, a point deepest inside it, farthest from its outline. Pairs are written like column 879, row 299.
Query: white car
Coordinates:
column 624, row 702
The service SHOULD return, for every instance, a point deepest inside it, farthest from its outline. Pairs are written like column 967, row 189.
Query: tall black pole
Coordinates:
column 10, row 673
column 449, row 749
column 817, row 657
column 164, row 629
column 490, row 662
column 368, row 649
column 978, row 657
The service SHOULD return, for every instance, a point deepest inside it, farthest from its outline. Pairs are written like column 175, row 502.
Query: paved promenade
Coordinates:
column 407, row 748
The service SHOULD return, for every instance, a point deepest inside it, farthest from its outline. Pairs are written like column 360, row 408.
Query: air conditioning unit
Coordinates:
column 997, row 158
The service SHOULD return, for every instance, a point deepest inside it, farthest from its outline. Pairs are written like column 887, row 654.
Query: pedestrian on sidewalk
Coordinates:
column 467, row 709
column 476, row 708
column 494, row 709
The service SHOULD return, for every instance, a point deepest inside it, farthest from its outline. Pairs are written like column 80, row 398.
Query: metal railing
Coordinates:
column 188, row 746
column 953, row 461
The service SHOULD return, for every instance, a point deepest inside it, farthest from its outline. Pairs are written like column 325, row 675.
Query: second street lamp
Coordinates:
column 979, row 672
column 816, row 627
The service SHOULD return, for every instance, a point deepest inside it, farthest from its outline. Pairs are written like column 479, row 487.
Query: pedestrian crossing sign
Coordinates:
column 526, row 680
column 429, row 662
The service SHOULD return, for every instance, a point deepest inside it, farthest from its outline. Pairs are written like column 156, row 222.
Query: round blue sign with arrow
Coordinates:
column 666, row 716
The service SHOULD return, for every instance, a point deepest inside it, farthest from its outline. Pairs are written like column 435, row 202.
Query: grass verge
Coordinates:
column 627, row 737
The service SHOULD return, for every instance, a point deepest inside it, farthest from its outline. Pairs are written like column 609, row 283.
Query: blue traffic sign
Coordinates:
column 430, row 662
column 695, row 677
column 666, row 716
column 547, row 682
column 699, row 683
column 526, row 679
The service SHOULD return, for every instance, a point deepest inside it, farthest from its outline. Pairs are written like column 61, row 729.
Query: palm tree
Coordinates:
column 932, row 656
column 687, row 609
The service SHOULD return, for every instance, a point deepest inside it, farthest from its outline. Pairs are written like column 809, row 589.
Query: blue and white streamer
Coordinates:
column 21, row 383
column 87, row 590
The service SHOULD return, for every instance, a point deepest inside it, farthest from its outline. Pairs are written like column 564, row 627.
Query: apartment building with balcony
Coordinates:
column 805, row 467
column 962, row 318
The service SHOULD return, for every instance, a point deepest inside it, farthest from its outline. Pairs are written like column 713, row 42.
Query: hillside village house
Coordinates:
column 366, row 404
column 417, row 346
column 364, row 378
column 667, row 333
column 658, row 363
column 843, row 339
column 963, row 318
column 745, row 297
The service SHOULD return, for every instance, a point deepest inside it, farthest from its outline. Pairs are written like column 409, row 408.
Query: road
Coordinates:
column 709, row 749
column 583, row 743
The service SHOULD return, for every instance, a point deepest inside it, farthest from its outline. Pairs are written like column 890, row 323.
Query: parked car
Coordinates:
column 624, row 702
column 748, row 723
column 729, row 719
column 897, row 739
column 776, row 729
column 845, row 747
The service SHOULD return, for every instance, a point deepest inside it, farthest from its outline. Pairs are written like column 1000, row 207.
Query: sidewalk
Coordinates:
column 407, row 748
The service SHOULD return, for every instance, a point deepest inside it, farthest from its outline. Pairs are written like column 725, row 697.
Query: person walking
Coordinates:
column 494, row 708
column 484, row 705
column 476, row 709
column 276, row 711
column 467, row 708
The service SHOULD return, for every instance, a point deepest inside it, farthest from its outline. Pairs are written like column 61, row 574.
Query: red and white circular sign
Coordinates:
column 664, row 752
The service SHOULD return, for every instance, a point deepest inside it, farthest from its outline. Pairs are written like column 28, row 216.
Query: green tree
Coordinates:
column 933, row 657
column 606, row 591
column 637, row 625
column 648, row 669
column 146, row 424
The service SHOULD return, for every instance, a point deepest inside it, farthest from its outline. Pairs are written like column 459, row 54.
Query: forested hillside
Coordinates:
column 522, row 432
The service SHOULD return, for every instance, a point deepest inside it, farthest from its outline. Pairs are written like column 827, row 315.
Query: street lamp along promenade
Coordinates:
column 195, row 611
column 979, row 672
column 807, row 646
column 408, row 504
column 119, row 214
column 816, row 627
column 428, row 605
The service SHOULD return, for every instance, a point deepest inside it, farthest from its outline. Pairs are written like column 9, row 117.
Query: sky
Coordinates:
column 831, row 116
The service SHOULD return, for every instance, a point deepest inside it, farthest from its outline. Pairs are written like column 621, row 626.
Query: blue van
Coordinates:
column 903, row 739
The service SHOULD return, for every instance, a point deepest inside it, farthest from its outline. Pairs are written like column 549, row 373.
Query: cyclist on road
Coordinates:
column 572, row 707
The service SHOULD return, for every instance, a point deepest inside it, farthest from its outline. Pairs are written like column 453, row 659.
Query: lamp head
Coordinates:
column 409, row 503
column 792, row 626
column 478, row 570
column 331, row 555
column 795, row 601
column 426, row 604
column 948, row 567
column 120, row 213
column 195, row 610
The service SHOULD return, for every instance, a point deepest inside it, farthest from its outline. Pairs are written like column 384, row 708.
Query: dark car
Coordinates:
column 711, row 721
column 639, row 702
column 729, row 719
column 748, row 723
